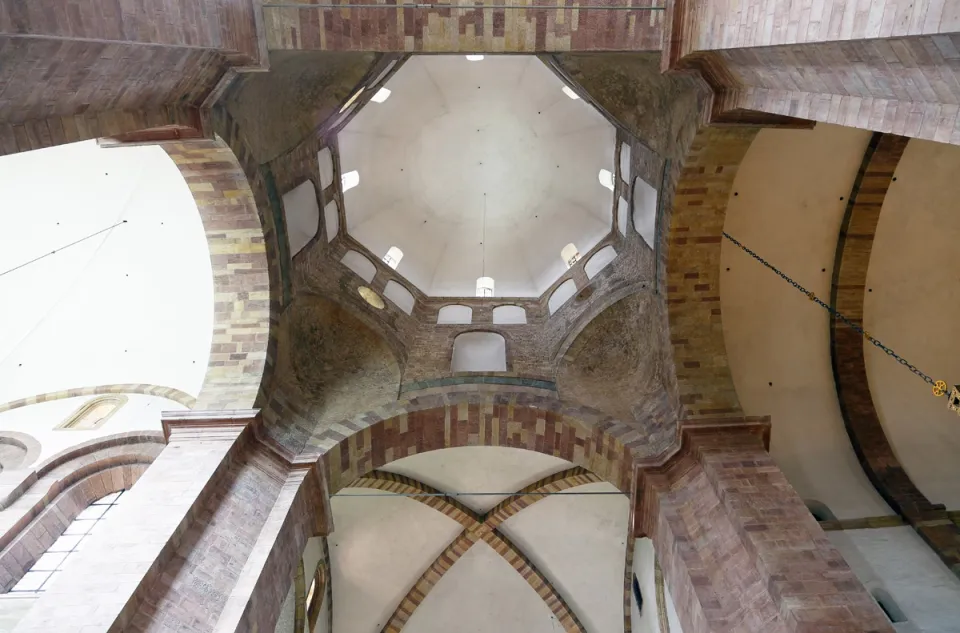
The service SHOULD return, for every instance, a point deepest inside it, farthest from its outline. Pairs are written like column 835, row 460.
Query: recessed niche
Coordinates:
column 400, row 296
column 479, row 351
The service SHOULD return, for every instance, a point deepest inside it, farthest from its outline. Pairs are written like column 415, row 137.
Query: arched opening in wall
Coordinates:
column 561, row 295
column 400, row 296
column 331, row 218
column 302, row 214
column 485, row 287
column 479, row 351
column 359, row 264
column 570, row 254
column 888, row 605
column 819, row 510
column 393, row 257
column 623, row 215
column 606, row 178
column 600, row 260
column 455, row 315
column 42, row 574
column 645, row 210
column 325, row 160
column 625, row 162
column 93, row 414
column 509, row 315
column 382, row 95
column 314, row 599
column 350, row 180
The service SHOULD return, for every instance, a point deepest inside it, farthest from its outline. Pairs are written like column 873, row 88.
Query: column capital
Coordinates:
column 196, row 425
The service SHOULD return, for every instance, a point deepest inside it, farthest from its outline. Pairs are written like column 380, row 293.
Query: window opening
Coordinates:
column 382, row 95
column 474, row 58
column 350, row 180
column 93, row 414
column 606, row 178
column 567, row 90
column 570, row 255
column 393, row 257
column 44, row 572
column 890, row 608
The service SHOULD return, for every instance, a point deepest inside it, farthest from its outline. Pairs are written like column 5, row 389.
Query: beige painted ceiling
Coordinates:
column 478, row 167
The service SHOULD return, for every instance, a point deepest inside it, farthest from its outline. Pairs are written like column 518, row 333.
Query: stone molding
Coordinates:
column 170, row 393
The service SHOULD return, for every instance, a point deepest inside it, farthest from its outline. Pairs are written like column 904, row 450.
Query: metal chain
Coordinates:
column 889, row 352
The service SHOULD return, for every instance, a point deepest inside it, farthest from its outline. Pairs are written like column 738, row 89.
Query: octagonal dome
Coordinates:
column 478, row 168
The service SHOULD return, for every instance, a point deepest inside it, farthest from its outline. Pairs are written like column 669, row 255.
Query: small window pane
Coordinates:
column 105, row 501
column 32, row 581
column 92, row 512
column 79, row 527
column 65, row 543
column 50, row 561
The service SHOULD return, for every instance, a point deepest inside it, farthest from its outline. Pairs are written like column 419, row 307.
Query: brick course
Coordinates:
column 570, row 27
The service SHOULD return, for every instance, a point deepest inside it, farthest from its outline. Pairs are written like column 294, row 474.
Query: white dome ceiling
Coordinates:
column 458, row 140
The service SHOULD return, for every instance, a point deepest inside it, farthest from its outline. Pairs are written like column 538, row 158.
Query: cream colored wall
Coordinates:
column 648, row 620
column 140, row 413
column 786, row 205
column 912, row 305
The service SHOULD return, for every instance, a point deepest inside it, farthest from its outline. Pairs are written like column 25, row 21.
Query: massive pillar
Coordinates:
column 888, row 66
column 208, row 540
column 739, row 549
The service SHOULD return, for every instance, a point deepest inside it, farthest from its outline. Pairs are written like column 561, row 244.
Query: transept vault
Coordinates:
column 372, row 317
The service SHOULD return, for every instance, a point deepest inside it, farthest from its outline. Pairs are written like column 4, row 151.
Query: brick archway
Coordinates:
column 517, row 418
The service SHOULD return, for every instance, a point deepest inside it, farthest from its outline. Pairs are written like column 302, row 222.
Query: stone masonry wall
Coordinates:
column 573, row 27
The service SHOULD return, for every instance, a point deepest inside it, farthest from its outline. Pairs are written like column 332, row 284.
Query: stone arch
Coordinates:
column 689, row 261
column 53, row 495
column 519, row 418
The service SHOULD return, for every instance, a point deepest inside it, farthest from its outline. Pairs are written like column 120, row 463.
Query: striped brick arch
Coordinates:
column 478, row 528
column 869, row 441
column 521, row 418
column 238, row 254
column 693, row 235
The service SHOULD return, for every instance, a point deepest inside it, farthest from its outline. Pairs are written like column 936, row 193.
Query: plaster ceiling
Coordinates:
column 478, row 167
column 87, row 303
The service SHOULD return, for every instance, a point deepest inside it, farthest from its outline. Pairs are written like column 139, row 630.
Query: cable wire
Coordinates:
column 53, row 252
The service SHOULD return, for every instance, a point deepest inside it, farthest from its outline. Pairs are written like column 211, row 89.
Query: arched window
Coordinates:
column 485, row 287
column 393, row 257
column 509, row 315
column 302, row 214
column 314, row 599
column 455, row 315
column 570, row 254
column 560, row 296
column 600, row 260
column 400, row 296
column 479, row 351
column 606, row 178
column 44, row 572
column 93, row 414
column 350, row 180
column 567, row 90
column 359, row 264
column 353, row 98
column 382, row 95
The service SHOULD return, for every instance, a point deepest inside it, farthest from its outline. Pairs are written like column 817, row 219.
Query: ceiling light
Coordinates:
column 567, row 90
column 474, row 58
column 382, row 95
column 606, row 178
column 350, row 180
